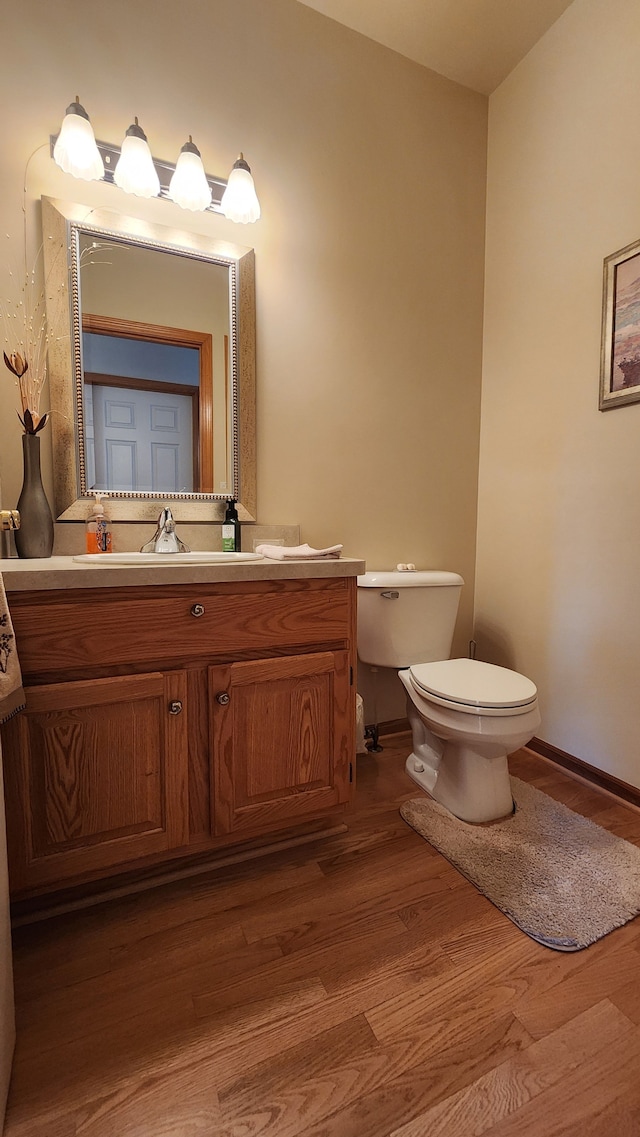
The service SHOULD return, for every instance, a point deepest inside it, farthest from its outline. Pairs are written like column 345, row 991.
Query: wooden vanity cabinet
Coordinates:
column 278, row 754
column 96, row 775
column 174, row 720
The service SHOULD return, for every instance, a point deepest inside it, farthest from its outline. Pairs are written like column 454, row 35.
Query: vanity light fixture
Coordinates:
column 133, row 168
column 189, row 186
column 76, row 151
column 135, row 172
column 240, row 200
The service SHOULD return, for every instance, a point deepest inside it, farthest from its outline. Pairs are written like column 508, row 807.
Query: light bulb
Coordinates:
column 189, row 186
column 135, row 171
column 239, row 200
column 75, row 150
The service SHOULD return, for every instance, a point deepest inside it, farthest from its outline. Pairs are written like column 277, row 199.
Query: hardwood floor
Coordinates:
column 355, row 987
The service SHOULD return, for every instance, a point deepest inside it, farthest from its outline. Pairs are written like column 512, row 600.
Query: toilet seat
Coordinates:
column 473, row 687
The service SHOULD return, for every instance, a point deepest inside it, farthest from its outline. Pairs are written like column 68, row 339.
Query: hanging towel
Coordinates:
column 11, row 693
column 299, row 552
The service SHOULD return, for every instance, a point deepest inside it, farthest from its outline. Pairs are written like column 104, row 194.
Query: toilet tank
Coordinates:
column 406, row 617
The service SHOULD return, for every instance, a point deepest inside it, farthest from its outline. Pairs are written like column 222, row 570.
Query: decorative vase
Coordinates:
column 34, row 538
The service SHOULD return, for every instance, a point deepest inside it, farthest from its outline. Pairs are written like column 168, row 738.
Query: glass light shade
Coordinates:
column 135, row 172
column 189, row 186
column 239, row 200
column 75, row 150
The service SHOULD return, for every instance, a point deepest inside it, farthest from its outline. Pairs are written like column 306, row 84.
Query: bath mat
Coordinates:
column 561, row 878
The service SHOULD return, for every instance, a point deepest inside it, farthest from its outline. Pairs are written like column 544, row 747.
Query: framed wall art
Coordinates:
column 620, row 355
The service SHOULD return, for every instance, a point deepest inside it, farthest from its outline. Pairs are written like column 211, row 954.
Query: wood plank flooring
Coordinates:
column 354, row 987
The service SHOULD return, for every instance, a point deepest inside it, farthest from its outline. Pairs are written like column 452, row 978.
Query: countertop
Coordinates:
column 64, row 572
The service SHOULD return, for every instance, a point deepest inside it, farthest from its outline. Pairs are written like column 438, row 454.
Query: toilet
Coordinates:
column 465, row 716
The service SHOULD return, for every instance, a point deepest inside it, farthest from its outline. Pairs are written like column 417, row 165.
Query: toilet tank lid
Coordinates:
column 427, row 579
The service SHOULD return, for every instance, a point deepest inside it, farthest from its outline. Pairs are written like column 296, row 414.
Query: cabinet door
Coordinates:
column 282, row 739
column 96, row 776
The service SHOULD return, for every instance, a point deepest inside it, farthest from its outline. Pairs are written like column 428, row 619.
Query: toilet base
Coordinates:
column 460, row 759
column 472, row 787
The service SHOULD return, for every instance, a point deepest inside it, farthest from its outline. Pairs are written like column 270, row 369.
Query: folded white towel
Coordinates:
column 299, row 552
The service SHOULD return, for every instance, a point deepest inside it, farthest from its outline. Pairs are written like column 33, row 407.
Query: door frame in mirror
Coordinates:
column 60, row 223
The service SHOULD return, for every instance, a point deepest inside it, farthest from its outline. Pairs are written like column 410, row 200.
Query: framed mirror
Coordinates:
column 151, row 366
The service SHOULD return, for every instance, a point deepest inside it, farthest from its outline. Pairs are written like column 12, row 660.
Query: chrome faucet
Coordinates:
column 165, row 539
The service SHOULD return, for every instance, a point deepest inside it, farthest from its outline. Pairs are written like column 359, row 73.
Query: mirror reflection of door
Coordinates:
column 155, row 323
column 148, row 407
column 141, row 433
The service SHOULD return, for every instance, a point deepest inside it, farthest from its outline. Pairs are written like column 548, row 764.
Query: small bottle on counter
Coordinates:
column 98, row 527
column 9, row 522
column 231, row 528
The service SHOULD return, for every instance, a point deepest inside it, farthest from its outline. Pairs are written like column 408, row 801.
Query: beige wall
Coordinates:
column 558, row 565
column 369, row 257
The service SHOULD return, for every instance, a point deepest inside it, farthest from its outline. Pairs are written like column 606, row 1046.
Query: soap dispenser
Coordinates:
column 98, row 527
column 231, row 528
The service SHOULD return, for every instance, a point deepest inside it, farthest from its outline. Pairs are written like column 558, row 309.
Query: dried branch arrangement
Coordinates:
column 32, row 421
column 26, row 341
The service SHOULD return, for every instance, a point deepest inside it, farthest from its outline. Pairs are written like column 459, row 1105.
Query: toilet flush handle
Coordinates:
column 390, row 594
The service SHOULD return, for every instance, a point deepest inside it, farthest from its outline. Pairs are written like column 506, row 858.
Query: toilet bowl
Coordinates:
column 465, row 716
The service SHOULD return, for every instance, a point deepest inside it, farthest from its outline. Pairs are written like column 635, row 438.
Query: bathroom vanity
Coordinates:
column 173, row 712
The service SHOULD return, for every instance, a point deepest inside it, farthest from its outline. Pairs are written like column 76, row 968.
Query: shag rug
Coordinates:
column 561, row 878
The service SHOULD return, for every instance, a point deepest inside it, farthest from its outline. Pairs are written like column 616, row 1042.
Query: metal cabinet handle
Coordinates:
column 390, row 594
column 223, row 699
column 175, row 707
column 197, row 610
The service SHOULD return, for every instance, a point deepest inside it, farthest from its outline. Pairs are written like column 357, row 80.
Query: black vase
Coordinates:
column 34, row 538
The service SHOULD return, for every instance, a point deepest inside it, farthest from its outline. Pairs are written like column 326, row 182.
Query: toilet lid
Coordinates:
column 473, row 684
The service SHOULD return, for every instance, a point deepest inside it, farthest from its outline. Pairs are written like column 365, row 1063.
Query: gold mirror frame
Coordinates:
column 60, row 222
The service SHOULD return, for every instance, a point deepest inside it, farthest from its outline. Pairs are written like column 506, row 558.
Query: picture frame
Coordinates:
column 620, row 352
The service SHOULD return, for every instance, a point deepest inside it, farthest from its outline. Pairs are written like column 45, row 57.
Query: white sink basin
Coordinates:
column 173, row 559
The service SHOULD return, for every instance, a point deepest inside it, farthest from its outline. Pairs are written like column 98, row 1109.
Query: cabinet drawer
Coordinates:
column 195, row 621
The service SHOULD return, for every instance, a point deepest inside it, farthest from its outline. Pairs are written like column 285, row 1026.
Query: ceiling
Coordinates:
column 475, row 42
